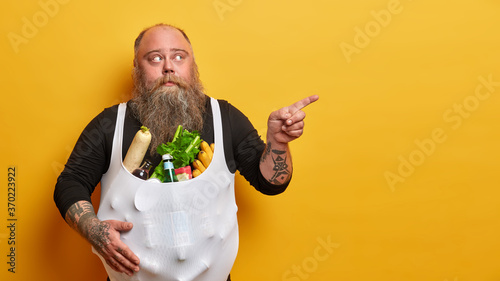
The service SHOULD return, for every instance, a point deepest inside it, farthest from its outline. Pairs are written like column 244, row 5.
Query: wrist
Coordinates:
column 276, row 144
column 88, row 222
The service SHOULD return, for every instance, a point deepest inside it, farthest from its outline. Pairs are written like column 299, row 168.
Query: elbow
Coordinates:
column 267, row 188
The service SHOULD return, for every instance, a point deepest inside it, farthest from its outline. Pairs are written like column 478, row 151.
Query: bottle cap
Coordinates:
column 166, row 157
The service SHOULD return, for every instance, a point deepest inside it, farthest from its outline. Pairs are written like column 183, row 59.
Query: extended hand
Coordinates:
column 287, row 123
column 105, row 237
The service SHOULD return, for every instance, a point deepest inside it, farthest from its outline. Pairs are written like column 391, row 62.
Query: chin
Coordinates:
column 168, row 90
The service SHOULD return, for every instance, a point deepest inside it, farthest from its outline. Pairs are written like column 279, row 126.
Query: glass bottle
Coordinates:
column 143, row 171
column 169, row 169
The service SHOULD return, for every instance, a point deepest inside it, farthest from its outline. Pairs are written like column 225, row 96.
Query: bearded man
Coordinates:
column 136, row 237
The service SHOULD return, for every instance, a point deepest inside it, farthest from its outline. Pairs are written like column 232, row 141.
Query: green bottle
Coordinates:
column 169, row 169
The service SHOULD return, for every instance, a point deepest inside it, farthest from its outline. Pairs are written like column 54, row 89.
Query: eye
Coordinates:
column 156, row 58
column 178, row 57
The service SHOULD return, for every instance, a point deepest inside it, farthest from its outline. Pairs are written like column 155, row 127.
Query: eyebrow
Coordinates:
column 160, row 50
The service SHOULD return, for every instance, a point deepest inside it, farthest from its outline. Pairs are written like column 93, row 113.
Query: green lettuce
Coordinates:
column 183, row 148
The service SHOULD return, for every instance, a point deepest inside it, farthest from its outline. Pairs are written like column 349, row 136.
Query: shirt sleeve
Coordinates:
column 88, row 161
column 248, row 147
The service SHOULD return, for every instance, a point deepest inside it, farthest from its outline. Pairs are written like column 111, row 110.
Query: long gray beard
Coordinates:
column 162, row 109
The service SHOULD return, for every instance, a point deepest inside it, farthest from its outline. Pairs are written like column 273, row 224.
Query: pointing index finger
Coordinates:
column 302, row 103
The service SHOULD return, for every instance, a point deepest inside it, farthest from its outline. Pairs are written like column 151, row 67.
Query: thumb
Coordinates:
column 121, row 225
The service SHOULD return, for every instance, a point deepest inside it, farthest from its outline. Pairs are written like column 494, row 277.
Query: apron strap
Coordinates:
column 116, row 151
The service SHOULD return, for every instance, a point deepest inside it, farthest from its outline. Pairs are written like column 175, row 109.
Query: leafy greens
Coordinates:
column 184, row 147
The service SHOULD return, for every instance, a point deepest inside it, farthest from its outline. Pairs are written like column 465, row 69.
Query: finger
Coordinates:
column 117, row 266
column 295, row 118
column 113, row 264
column 295, row 133
column 129, row 267
column 118, row 261
column 127, row 253
column 287, row 112
column 295, row 126
column 296, row 130
column 126, row 256
column 302, row 103
column 129, row 258
column 121, row 225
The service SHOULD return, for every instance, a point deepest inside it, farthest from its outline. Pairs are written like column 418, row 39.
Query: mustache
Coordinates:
column 161, row 81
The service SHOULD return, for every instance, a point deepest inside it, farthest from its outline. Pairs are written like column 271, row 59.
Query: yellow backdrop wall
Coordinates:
column 396, row 177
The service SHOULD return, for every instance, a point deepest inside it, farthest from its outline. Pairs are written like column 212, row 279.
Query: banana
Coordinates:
column 204, row 158
column 212, row 146
column 205, row 147
column 198, row 165
column 196, row 173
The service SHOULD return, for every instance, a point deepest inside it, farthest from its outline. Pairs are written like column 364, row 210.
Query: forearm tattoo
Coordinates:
column 266, row 152
column 82, row 218
column 77, row 212
column 280, row 168
column 98, row 234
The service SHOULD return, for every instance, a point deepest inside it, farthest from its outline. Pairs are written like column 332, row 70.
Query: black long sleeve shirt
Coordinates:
column 91, row 155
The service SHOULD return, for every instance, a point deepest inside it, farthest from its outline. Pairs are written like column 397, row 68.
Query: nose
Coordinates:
column 168, row 67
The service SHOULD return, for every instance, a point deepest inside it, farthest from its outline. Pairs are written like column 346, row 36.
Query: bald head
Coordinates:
column 138, row 40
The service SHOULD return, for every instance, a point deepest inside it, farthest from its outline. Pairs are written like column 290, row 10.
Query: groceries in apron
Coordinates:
column 183, row 231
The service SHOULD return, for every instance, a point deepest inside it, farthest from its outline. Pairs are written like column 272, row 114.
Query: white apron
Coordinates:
column 183, row 231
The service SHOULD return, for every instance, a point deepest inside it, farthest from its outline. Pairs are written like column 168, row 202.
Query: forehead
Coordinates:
column 163, row 37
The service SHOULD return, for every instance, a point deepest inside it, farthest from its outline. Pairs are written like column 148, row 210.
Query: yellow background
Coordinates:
column 404, row 81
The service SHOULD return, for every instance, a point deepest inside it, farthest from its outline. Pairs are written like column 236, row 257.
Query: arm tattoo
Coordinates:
column 280, row 168
column 82, row 218
column 266, row 152
column 98, row 234
column 78, row 211
column 281, row 171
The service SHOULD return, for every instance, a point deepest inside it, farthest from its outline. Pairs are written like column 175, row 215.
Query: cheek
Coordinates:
column 187, row 76
column 150, row 70
column 151, row 75
column 187, row 73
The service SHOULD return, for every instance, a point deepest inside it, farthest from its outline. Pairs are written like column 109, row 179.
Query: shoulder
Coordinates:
column 236, row 121
column 230, row 110
column 104, row 121
column 109, row 111
column 109, row 115
column 113, row 110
